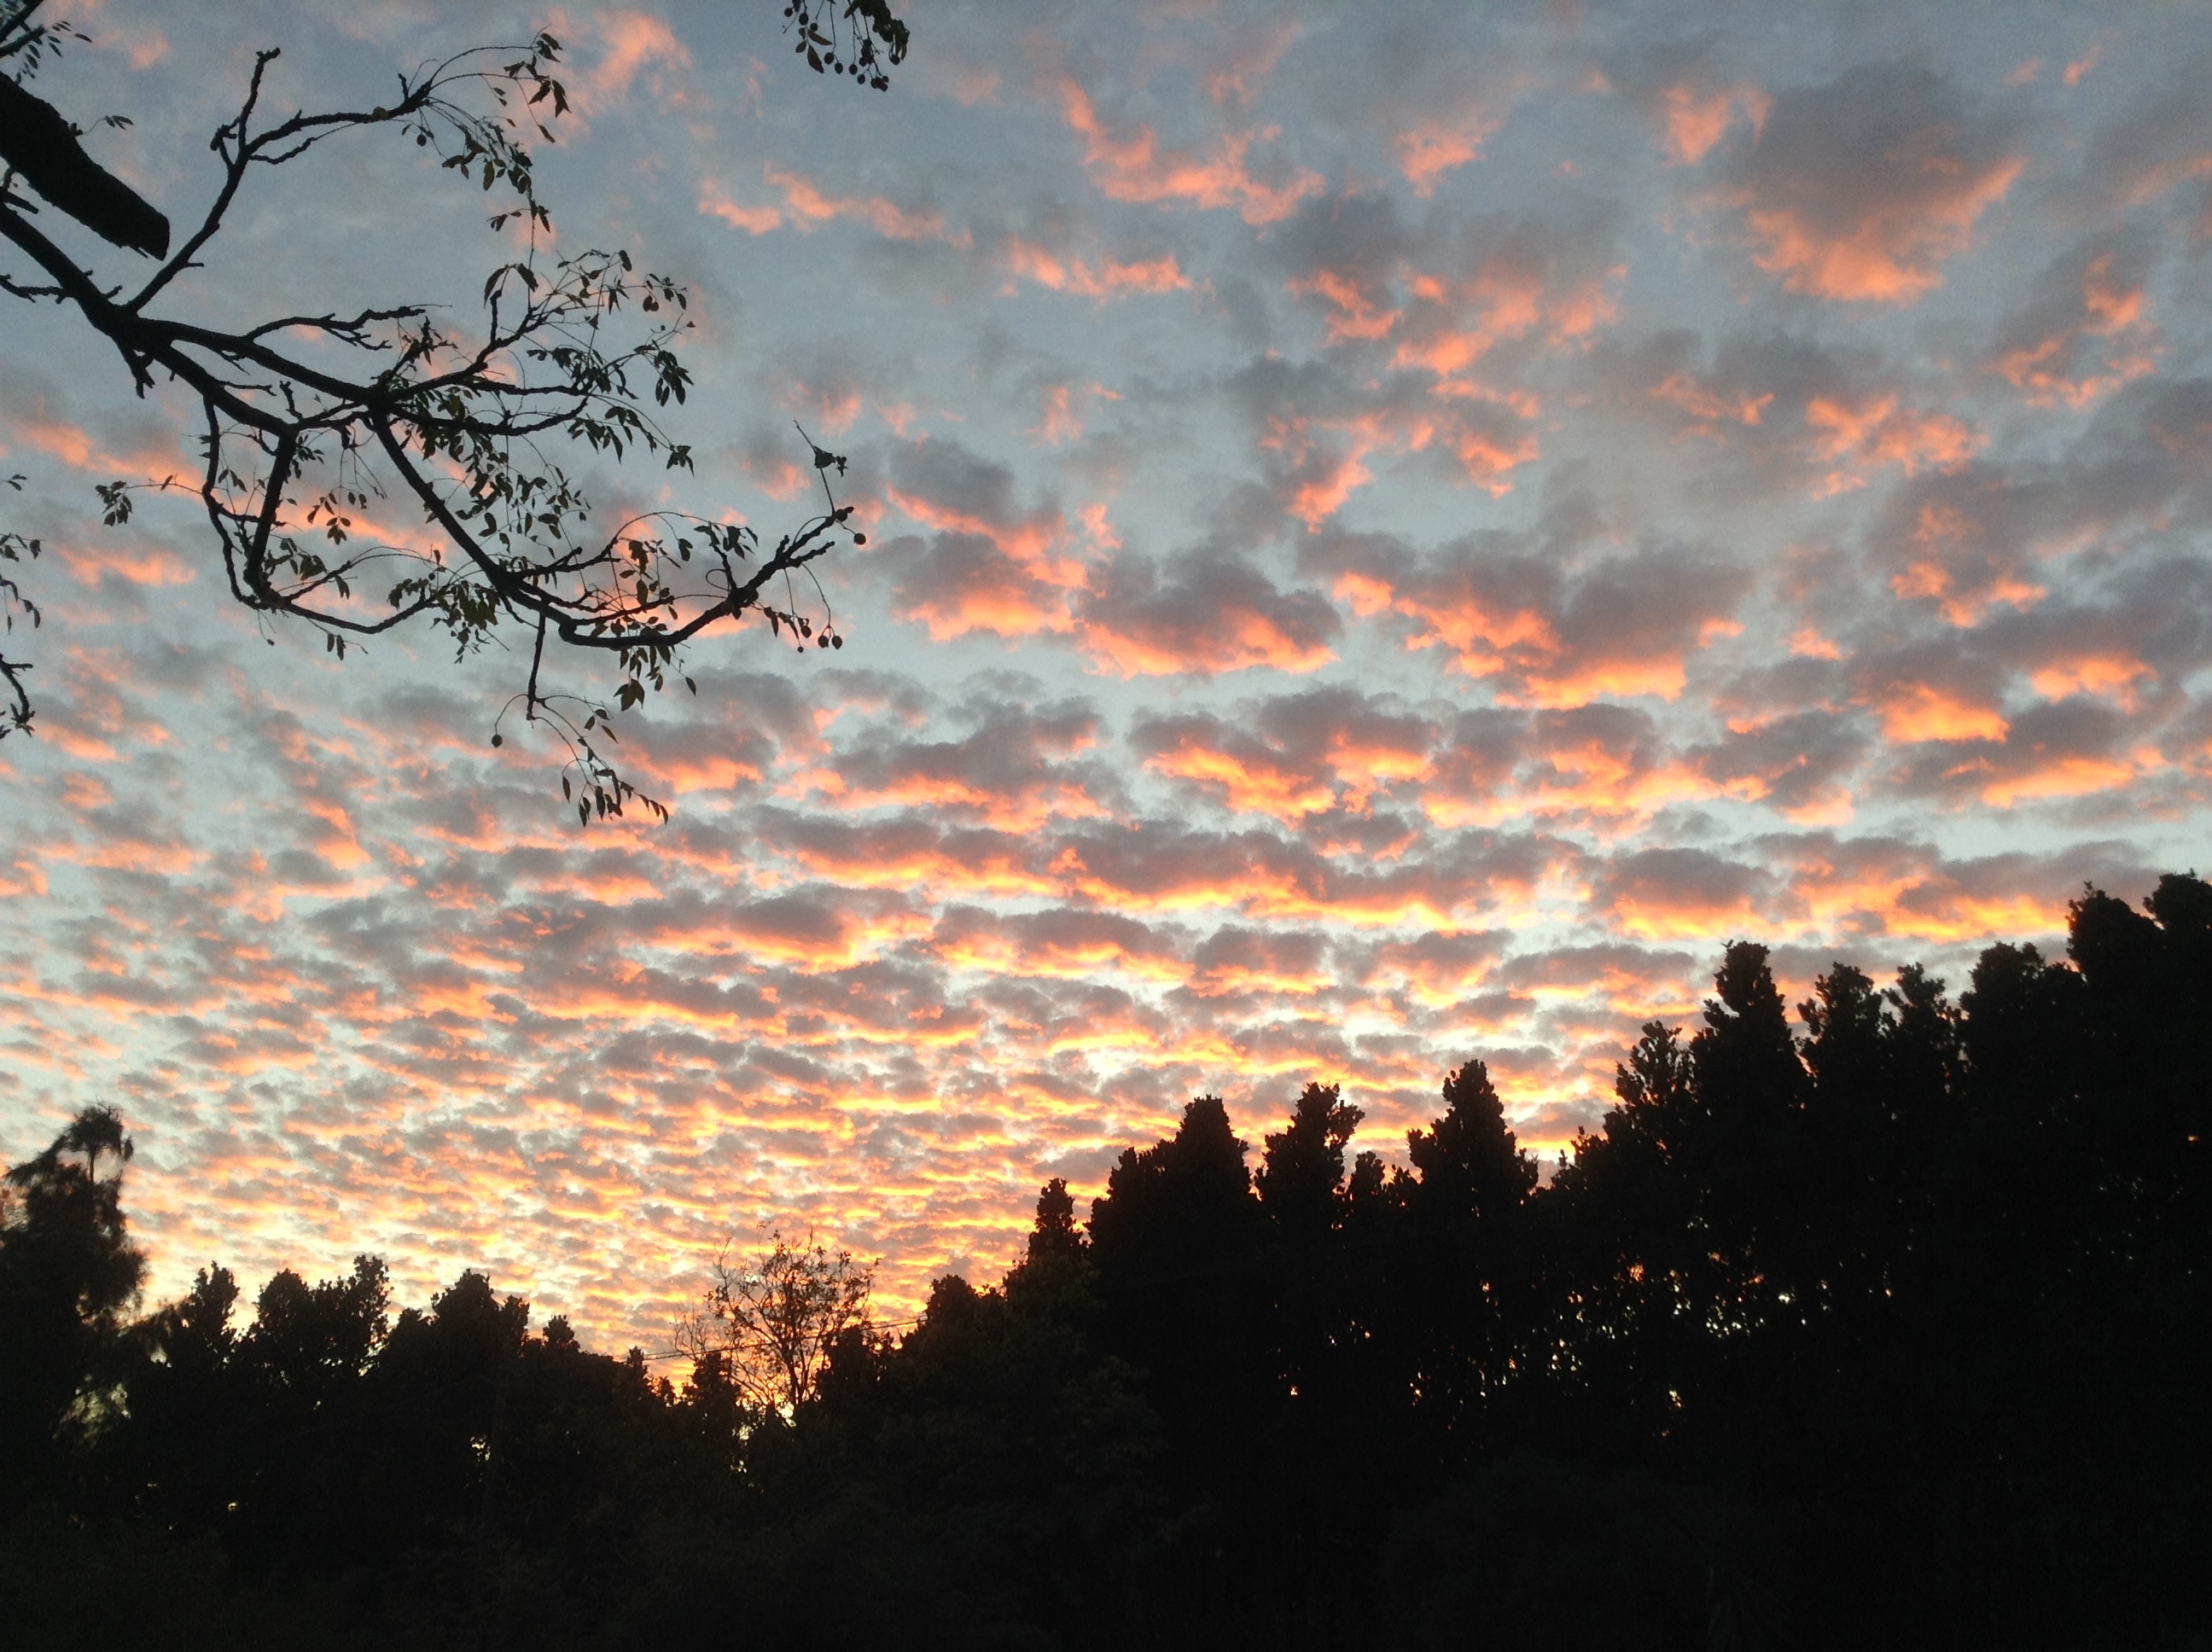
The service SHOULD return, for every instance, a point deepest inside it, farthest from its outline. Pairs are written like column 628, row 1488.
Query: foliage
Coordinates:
column 68, row 1272
column 15, row 719
column 849, row 45
column 1889, row 1331
column 772, row 1323
column 311, row 421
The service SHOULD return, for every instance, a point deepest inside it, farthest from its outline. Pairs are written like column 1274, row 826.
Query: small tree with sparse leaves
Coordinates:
column 771, row 1321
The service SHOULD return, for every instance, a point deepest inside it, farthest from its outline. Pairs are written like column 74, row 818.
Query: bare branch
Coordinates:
column 305, row 412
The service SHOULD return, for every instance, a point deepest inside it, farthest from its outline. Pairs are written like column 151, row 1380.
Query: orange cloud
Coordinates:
column 1652, row 910
column 1863, row 435
column 1137, row 169
column 1857, row 192
column 1623, row 627
column 1238, row 639
column 1434, row 147
column 139, row 564
column 2044, row 369
column 1248, row 785
column 1009, row 576
column 2109, row 674
column 1337, row 757
column 1707, row 406
column 2058, row 775
column 1889, row 258
column 1359, row 316
column 633, row 43
column 1951, row 566
column 1484, row 631
column 1911, row 712
column 1110, row 279
column 1695, row 119
column 1449, row 328
column 715, row 203
column 807, row 205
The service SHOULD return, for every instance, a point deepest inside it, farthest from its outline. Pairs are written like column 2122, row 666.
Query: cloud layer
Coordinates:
column 1386, row 544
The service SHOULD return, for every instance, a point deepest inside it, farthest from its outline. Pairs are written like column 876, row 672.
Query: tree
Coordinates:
column 1301, row 1176
column 1053, row 1234
column 67, row 1273
column 772, row 1324
column 310, row 416
column 1469, row 1163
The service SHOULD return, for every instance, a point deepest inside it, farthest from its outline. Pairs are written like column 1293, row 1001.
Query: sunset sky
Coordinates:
column 1393, row 533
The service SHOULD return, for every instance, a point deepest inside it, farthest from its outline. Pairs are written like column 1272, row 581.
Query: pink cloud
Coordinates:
column 806, row 204
column 1108, row 278
column 1859, row 191
column 1696, row 118
column 1426, row 152
column 1136, row 169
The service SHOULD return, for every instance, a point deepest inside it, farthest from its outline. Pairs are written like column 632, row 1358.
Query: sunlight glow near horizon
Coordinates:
column 1390, row 542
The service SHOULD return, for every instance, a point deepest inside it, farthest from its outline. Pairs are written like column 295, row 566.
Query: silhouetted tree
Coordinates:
column 773, row 1319
column 1895, row 1337
column 67, row 1273
column 1470, row 1165
column 313, row 414
column 1055, row 1233
column 1300, row 1184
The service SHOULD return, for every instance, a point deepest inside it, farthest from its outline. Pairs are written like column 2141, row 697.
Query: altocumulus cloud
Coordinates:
column 1386, row 544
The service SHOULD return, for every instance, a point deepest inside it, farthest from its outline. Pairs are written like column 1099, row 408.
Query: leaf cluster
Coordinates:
column 837, row 43
column 321, row 433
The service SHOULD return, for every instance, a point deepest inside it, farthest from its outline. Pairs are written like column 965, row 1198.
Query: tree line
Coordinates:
column 1885, row 1328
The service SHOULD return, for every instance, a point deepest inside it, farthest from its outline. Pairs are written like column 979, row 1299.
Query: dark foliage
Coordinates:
column 311, row 418
column 1892, row 1331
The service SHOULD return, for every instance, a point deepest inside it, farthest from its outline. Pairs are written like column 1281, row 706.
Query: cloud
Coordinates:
column 1061, row 943
column 1695, row 118
column 1235, row 959
column 1079, row 277
column 805, row 205
column 2161, row 141
column 1291, row 755
column 990, row 565
column 1433, row 148
column 1859, row 437
column 1966, row 541
column 1476, row 592
column 1682, row 894
column 1203, row 614
column 1801, row 763
column 1257, row 49
column 1438, row 968
column 1858, row 191
column 1549, row 281
column 2084, row 329
column 1011, row 773
column 1505, row 613
column 1135, row 168
column 632, row 45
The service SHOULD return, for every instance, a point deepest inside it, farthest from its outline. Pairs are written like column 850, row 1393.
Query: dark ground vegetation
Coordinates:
column 1891, row 1331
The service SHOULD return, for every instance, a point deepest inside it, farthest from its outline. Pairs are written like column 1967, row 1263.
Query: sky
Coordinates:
column 1393, row 534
